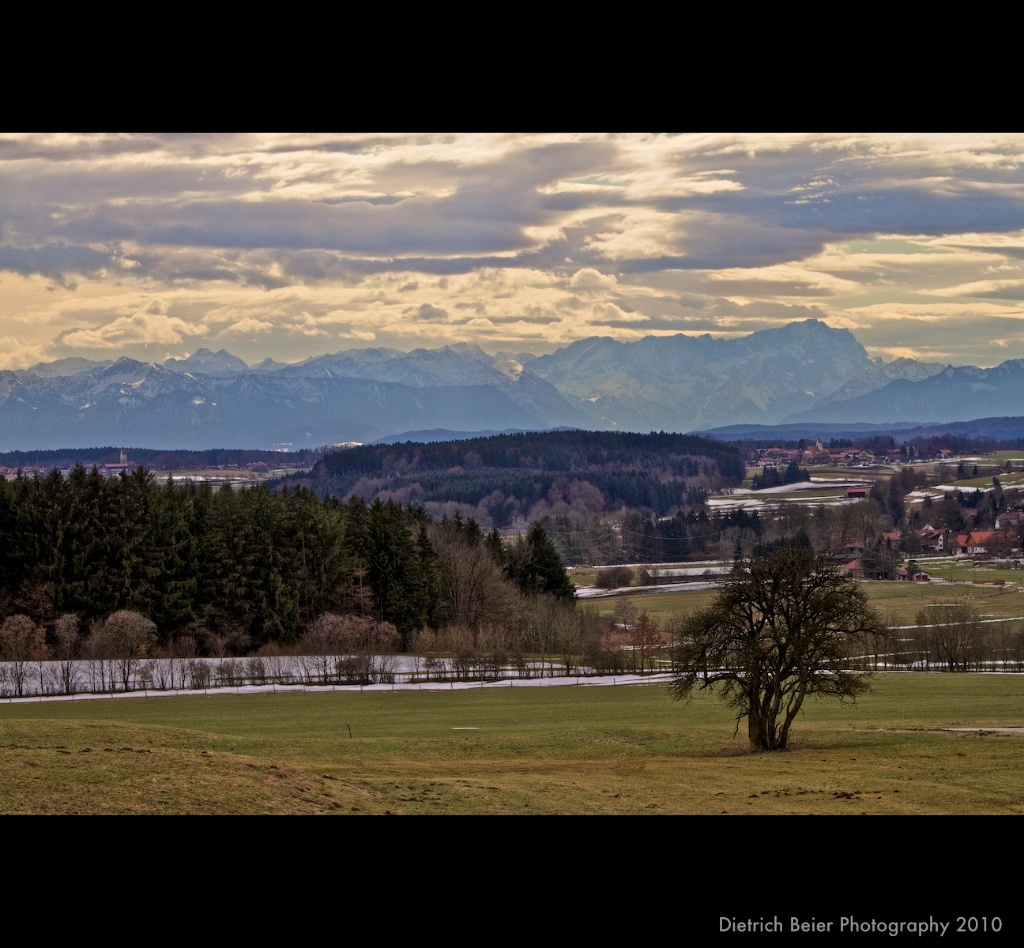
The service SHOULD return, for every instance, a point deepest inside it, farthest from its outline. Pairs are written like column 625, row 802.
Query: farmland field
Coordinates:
column 898, row 602
column 917, row 744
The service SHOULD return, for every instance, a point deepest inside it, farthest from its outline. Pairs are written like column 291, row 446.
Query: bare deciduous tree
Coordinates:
column 123, row 640
column 604, row 643
column 648, row 639
column 567, row 624
column 67, row 651
column 472, row 587
column 348, row 648
column 784, row 627
column 957, row 635
column 21, row 642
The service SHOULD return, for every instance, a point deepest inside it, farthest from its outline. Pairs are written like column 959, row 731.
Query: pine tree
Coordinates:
column 534, row 565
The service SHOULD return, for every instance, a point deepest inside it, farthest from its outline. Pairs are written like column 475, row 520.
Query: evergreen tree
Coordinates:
column 269, row 606
column 535, row 566
column 224, row 573
column 178, row 554
column 394, row 569
column 320, row 577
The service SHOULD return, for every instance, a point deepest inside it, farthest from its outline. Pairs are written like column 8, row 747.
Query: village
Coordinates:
column 845, row 454
column 938, row 503
column 234, row 473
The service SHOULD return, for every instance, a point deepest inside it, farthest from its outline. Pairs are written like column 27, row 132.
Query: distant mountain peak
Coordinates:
column 219, row 363
column 72, row 365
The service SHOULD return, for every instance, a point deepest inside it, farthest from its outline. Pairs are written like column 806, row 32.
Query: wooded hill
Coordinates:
column 502, row 478
column 237, row 569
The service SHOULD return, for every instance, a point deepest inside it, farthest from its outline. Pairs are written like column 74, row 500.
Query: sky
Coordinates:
column 288, row 246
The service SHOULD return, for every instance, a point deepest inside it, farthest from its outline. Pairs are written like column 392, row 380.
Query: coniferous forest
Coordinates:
column 245, row 567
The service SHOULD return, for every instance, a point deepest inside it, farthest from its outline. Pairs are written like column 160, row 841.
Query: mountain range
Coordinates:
column 803, row 374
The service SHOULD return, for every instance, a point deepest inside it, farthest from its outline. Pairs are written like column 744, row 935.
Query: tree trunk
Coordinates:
column 760, row 730
column 753, row 731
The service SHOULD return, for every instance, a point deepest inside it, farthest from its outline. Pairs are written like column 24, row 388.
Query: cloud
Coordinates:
column 426, row 313
column 53, row 261
column 590, row 279
column 137, row 328
column 294, row 241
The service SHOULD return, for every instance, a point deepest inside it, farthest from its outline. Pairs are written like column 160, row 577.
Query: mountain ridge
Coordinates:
column 802, row 373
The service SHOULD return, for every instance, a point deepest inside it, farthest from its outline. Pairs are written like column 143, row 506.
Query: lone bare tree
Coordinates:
column 786, row 625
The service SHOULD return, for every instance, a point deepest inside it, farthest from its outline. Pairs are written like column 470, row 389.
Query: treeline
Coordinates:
column 772, row 477
column 930, row 445
column 235, row 569
column 954, row 637
column 638, row 537
column 151, row 458
column 525, row 476
column 499, row 497
column 1005, row 434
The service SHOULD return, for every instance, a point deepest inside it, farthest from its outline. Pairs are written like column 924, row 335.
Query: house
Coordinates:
column 932, row 540
column 1010, row 520
column 981, row 542
column 855, row 569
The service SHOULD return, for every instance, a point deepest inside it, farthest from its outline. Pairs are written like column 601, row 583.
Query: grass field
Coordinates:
column 898, row 602
column 625, row 750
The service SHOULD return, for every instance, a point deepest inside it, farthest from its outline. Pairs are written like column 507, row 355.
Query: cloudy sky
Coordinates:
column 293, row 245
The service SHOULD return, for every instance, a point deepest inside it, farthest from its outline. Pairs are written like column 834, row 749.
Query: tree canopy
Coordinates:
column 786, row 625
column 239, row 568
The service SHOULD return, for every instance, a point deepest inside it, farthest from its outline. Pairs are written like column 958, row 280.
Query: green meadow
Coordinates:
column 918, row 743
column 992, row 592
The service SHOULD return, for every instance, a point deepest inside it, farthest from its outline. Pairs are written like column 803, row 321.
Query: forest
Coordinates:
column 511, row 480
column 237, row 569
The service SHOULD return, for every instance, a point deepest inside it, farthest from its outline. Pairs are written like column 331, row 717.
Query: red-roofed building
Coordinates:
column 932, row 540
column 981, row 542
